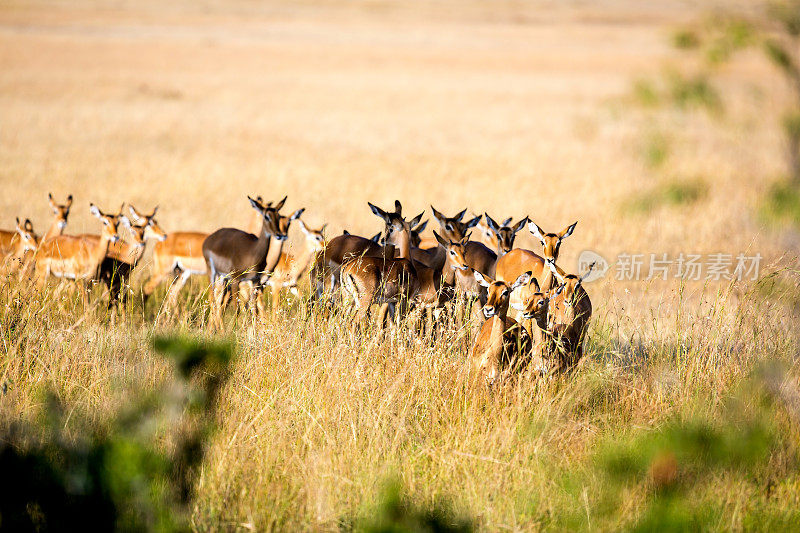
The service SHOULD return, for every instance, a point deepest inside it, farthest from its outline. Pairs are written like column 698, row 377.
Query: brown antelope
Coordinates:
column 501, row 344
column 520, row 260
column 485, row 234
column 568, row 317
column 503, row 235
column 14, row 245
column 234, row 256
column 458, row 272
column 181, row 253
column 124, row 255
column 533, row 317
column 383, row 278
column 75, row 257
column 291, row 268
column 476, row 254
column 60, row 215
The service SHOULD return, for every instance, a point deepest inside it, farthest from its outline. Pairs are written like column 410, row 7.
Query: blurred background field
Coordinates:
column 540, row 108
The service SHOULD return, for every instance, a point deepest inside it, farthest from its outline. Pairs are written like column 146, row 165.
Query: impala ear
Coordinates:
column 398, row 207
column 378, row 211
column 303, row 227
column 567, row 232
column 460, row 214
column 554, row 270
column 507, row 221
column 297, row 214
column 536, row 231
column 137, row 217
column 465, row 240
column 279, row 205
column 535, row 283
column 589, row 271
column 482, row 281
column 95, row 211
column 155, row 209
column 325, row 225
column 124, row 221
column 28, row 225
column 440, row 240
column 559, row 289
column 69, row 200
column 345, row 232
column 439, row 216
column 376, row 238
column 414, row 221
column 420, row 228
column 521, row 280
column 492, row 224
column 472, row 223
column 520, row 224
column 255, row 203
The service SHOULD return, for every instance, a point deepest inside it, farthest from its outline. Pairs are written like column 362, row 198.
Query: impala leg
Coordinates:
column 171, row 301
column 217, row 297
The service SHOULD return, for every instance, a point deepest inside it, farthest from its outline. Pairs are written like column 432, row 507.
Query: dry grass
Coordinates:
column 516, row 110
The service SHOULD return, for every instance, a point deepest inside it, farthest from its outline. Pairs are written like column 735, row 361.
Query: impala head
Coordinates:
column 452, row 227
column 148, row 222
column 498, row 293
column 29, row 239
column 136, row 231
column 110, row 223
column 533, row 302
column 276, row 225
column 551, row 242
column 314, row 237
column 569, row 284
column 395, row 223
column 60, row 211
column 455, row 251
column 504, row 235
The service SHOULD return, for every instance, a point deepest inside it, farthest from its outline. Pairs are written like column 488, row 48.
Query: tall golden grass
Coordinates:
column 516, row 110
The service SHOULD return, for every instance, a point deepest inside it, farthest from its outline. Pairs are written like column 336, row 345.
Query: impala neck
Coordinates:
column 302, row 264
column 496, row 333
column 403, row 244
column 100, row 251
column 54, row 231
column 274, row 252
column 262, row 246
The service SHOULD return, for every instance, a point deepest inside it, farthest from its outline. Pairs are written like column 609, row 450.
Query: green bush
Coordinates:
column 117, row 477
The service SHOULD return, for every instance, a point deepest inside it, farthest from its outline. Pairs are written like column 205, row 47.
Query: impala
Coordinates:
column 60, row 215
column 458, row 272
column 383, row 278
column 476, row 254
column 501, row 344
column 520, row 260
column 291, row 268
column 14, row 245
column 533, row 317
column 485, row 234
column 568, row 317
column 234, row 256
column 75, row 257
column 503, row 235
column 123, row 256
column 180, row 251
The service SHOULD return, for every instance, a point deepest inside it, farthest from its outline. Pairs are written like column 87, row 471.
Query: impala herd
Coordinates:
column 532, row 313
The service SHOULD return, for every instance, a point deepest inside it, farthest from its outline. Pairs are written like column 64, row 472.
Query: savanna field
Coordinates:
column 684, row 412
